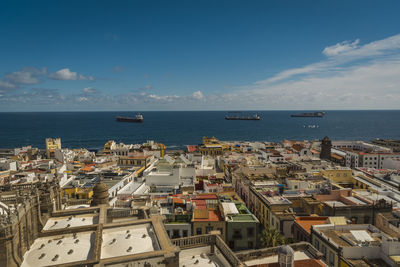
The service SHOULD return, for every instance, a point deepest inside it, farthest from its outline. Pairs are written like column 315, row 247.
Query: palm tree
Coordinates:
column 271, row 238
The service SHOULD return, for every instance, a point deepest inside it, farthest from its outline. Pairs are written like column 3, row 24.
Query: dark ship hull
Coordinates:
column 128, row 119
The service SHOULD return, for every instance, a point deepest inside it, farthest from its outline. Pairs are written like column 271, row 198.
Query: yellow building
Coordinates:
column 213, row 147
column 107, row 147
column 52, row 145
column 204, row 221
column 78, row 193
column 340, row 176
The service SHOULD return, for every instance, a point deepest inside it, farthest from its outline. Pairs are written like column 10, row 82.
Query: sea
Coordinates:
column 176, row 129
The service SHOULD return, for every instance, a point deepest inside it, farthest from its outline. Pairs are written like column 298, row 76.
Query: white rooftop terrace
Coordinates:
column 60, row 249
column 70, row 221
column 298, row 255
column 201, row 256
column 128, row 240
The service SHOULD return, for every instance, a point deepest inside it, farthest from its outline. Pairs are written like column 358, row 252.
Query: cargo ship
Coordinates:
column 309, row 114
column 255, row 117
column 137, row 118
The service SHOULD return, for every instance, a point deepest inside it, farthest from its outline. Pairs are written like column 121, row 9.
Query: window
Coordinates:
column 185, row 233
column 198, row 231
column 250, row 244
column 209, row 229
column 237, row 233
column 250, row 232
column 324, row 251
column 175, row 233
column 316, row 244
column 331, row 259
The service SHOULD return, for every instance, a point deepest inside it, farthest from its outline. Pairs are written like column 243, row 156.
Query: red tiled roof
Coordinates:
column 307, row 222
column 191, row 148
column 200, row 203
column 213, row 216
column 177, row 200
column 207, row 196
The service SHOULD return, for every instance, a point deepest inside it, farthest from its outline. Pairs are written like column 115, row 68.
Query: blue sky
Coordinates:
column 199, row 55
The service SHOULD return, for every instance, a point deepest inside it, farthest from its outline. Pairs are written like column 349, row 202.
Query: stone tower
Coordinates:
column 100, row 194
column 326, row 146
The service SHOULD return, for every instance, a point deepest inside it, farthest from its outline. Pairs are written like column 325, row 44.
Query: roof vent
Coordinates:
column 49, row 241
column 128, row 236
column 76, row 241
column 113, row 241
column 41, row 256
column 70, row 251
column 59, row 242
column 144, row 236
column 41, row 246
column 129, row 249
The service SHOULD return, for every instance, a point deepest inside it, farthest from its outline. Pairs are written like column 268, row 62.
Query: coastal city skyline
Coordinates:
column 212, row 133
column 208, row 55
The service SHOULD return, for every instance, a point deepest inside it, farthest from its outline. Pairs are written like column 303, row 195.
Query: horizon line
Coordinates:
column 213, row 110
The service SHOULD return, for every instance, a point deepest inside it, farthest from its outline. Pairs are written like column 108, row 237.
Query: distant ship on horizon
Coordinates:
column 255, row 117
column 137, row 118
column 319, row 114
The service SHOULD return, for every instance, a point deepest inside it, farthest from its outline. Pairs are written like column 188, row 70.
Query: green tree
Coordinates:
column 271, row 238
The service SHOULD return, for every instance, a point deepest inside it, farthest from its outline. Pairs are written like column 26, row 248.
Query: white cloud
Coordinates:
column 82, row 99
column 67, row 75
column 339, row 48
column 89, row 90
column 25, row 76
column 353, row 76
column 198, row 95
column 7, row 85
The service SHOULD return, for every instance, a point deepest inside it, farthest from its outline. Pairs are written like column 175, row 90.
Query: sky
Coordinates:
column 199, row 55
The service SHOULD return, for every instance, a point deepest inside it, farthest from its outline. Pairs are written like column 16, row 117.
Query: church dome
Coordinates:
column 100, row 194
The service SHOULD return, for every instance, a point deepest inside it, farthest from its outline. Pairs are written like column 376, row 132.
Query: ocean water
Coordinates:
column 176, row 129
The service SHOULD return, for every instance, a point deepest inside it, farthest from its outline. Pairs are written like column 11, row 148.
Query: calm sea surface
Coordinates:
column 177, row 129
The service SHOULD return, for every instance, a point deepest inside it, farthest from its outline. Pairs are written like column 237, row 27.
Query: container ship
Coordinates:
column 137, row 118
column 309, row 114
column 255, row 117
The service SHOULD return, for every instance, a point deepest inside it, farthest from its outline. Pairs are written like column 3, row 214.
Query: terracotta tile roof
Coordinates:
column 177, row 200
column 200, row 203
column 307, row 222
column 191, row 148
column 213, row 216
column 207, row 196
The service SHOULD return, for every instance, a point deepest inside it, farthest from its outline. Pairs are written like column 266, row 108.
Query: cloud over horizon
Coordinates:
column 350, row 75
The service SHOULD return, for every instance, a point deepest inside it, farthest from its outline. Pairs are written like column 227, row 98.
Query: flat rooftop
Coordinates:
column 128, row 240
column 60, row 249
column 201, row 257
column 71, row 221
column 298, row 255
column 242, row 218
